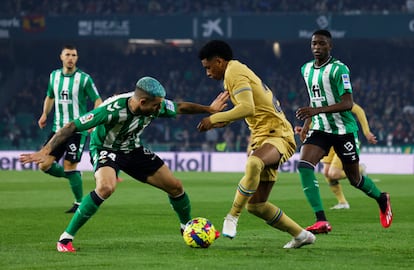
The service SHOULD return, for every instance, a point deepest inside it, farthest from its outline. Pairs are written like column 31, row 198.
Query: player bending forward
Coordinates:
column 115, row 145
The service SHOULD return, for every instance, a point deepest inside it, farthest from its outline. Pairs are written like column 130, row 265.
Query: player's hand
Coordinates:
column 205, row 124
column 37, row 157
column 306, row 112
column 220, row 125
column 220, row 103
column 302, row 132
column 302, row 135
column 42, row 121
column 297, row 129
column 371, row 138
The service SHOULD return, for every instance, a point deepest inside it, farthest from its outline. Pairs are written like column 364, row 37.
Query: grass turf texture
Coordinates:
column 137, row 229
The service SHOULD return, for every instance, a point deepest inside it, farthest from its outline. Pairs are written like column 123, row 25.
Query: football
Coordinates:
column 200, row 233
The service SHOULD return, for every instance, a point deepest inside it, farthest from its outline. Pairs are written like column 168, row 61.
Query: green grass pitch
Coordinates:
column 137, row 229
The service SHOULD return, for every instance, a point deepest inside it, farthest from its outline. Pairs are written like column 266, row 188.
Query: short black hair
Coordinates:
column 68, row 47
column 323, row 32
column 215, row 48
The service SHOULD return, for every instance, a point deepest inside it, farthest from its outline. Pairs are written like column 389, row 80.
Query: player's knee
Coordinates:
column 105, row 191
column 175, row 189
column 254, row 165
column 336, row 174
column 248, row 184
column 331, row 175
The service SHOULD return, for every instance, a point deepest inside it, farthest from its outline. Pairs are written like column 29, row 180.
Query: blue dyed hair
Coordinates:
column 151, row 86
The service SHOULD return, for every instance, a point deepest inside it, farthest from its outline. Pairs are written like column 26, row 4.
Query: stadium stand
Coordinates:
column 170, row 7
column 382, row 80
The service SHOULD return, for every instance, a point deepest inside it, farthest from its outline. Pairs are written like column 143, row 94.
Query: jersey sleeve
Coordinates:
column 245, row 104
column 92, row 119
column 343, row 80
column 91, row 89
column 49, row 91
column 236, row 81
column 168, row 109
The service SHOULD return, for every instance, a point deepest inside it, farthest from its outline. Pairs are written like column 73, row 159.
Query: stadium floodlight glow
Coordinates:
column 180, row 42
column 276, row 49
column 145, row 41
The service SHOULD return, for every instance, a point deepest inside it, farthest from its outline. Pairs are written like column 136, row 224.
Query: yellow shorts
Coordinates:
column 286, row 147
column 332, row 159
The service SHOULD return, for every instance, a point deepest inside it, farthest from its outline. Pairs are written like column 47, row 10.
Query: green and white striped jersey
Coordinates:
column 326, row 85
column 71, row 92
column 117, row 128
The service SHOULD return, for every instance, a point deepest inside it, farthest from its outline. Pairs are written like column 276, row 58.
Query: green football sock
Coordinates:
column 369, row 188
column 75, row 182
column 182, row 207
column 86, row 210
column 56, row 170
column 310, row 187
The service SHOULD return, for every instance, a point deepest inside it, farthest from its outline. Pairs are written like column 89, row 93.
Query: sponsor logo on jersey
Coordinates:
column 316, row 94
column 86, row 118
column 346, row 81
column 318, row 99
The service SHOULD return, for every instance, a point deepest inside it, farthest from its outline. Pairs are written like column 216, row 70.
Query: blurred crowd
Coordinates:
column 381, row 73
column 174, row 7
column 381, row 70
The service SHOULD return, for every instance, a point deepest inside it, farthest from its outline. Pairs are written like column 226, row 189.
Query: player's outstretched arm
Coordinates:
column 61, row 135
column 219, row 104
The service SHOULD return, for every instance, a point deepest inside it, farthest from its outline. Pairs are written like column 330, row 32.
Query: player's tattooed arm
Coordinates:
column 61, row 135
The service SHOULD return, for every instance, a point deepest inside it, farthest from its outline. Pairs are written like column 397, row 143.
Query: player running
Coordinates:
column 333, row 125
column 272, row 140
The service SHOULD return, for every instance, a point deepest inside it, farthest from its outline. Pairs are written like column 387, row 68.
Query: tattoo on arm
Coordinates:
column 61, row 135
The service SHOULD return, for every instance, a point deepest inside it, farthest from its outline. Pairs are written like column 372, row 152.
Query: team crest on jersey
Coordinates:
column 86, row 118
column 346, row 81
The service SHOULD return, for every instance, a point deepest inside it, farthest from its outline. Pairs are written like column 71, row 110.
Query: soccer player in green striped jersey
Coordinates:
column 115, row 145
column 332, row 125
column 68, row 92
